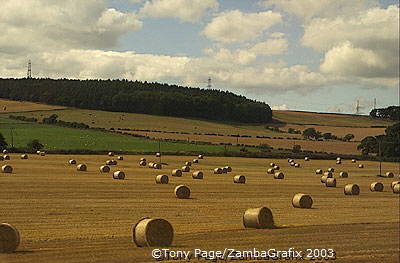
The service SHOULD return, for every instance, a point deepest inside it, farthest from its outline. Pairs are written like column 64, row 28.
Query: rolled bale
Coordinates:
column 157, row 166
column 81, row 167
column 344, row 175
column 188, row 164
column 376, row 187
column 151, row 164
column 302, row 201
column 331, row 169
column 396, row 189
column 290, row 161
column 111, row 162
column 72, row 161
column 177, row 172
column 156, row 232
column 351, row 189
column 9, row 238
column 297, row 165
column 324, row 178
column 292, row 164
column 338, row 159
column 318, row 171
column 279, row 175
column 110, row 154
column 306, row 159
column 119, row 175
column 142, row 163
column 330, row 182
column 389, row 175
column 38, row 152
column 195, row 161
column 42, row 153
column 328, row 174
column 272, row 164
column 228, row 169
column 276, row 167
column 217, row 170
column 360, row 165
column 6, row 157
column 104, row 169
column 239, row 179
column 182, row 192
column 158, row 154
column 185, row 169
column 270, row 171
column 353, row 160
column 5, row 151
column 394, row 183
column 142, row 159
column 197, row 175
column 258, row 218
column 162, row 179
column 338, row 162
column 6, row 169
column 120, row 158
column 200, row 156
column 224, row 170
column 24, row 156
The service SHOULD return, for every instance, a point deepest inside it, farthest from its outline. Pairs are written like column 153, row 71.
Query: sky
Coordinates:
column 308, row 55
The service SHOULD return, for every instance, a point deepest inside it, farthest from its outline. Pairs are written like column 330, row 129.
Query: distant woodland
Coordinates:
column 138, row 97
column 391, row 113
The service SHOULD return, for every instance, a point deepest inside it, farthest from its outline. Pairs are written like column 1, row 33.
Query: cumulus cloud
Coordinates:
column 188, row 11
column 280, row 107
column 236, row 26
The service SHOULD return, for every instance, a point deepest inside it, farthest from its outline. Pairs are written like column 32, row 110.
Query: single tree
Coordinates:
column 3, row 143
column 35, row 145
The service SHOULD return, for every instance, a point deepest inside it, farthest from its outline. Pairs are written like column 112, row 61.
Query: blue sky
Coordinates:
column 293, row 54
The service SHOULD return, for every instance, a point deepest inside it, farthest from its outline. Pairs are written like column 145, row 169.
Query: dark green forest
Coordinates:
column 138, row 97
column 391, row 113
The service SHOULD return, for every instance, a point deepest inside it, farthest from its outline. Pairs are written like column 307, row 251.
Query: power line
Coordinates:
column 29, row 73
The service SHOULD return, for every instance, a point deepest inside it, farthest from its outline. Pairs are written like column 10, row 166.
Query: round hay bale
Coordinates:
column 324, row 178
column 155, row 232
column 37, row 152
column 5, row 151
column 143, row 159
column 72, row 161
column 24, row 156
column 351, row 189
column 1, row 158
column 200, row 156
column 188, row 164
column 195, row 161
column 344, row 174
column 279, row 175
column 157, row 166
column 120, row 158
column 360, row 165
column 111, row 162
column 6, row 157
column 158, row 154
column 318, row 171
column 110, row 154
column 276, row 167
column 292, row 164
column 258, row 218
column 306, row 159
column 228, row 169
column 182, row 192
column 81, row 167
column 9, row 238
column 328, row 174
column 119, row 175
column 331, row 169
column 290, row 160
column 162, row 179
column 330, row 182
column 376, row 187
column 302, row 201
column 239, row 179
column 197, row 175
column 394, row 183
column 224, row 170
column 338, row 162
column 42, row 153
column 177, row 172
column 104, row 169
column 338, row 159
column 297, row 165
column 396, row 189
column 270, row 171
column 272, row 164
column 142, row 163
column 151, row 164
column 218, row 170
column 389, row 175
column 185, row 169
column 7, row 169
column 353, row 160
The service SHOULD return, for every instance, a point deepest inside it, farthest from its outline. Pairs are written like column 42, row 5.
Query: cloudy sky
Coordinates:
column 293, row 54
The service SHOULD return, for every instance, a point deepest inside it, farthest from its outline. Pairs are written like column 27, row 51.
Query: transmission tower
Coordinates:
column 358, row 107
column 209, row 84
column 29, row 74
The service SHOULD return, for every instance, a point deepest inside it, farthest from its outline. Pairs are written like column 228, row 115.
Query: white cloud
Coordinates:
column 189, row 11
column 280, row 107
column 236, row 26
column 270, row 47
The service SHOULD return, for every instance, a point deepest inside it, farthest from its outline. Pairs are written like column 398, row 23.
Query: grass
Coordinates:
column 79, row 217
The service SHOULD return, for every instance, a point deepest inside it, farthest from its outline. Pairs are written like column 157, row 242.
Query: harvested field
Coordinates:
column 68, row 216
column 8, row 106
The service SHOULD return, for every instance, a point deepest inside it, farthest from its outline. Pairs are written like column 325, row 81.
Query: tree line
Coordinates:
column 138, row 97
column 391, row 113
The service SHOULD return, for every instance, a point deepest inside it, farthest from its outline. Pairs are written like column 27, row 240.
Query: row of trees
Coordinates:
column 138, row 97
column 387, row 145
column 31, row 146
column 391, row 113
column 312, row 133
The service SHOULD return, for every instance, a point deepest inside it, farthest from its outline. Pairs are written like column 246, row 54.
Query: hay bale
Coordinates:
column 258, row 218
column 195, row 161
column 394, row 183
column 6, row 169
column 351, row 189
column 42, row 153
column 151, row 164
column 276, row 167
column 338, row 162
column 376, row 187
column 360, row 165
column 9, row 238
column 318, row 171
column 5, row 151
column 120, row 158
column 396, row 189
column 182, row 192
column 177, row 172
column 72, row 161
column 185, row 169
column 104, row 169
column 290, row 160
column 306, row 159
column 6, row 157
column 142, row 163
column 338, row 159
column 1, row 158
column 239, row 179
column 330, row 182
column 155, row 232
column 324, row 178
column 162, row 179
column 111, row 162
column 110, row 154
column 297, row 165
column 197, row 175
column 344, row 174
column 328, row 174
column 81, row 167
column 200, row 156
column 292, row 164
column 37, row 152
column 157, row 166
column 218, row 170
column 302, row 201
column 279, row 175
column 119, row 175
column 270, row 171
column 353, row 160
column 158, row 154
column 331, row 169
column 272, row 164
column 389, row 175
column 224, row 170
column 24, row 156
column 142, row 160
column 228, row 169
column 188, row 164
